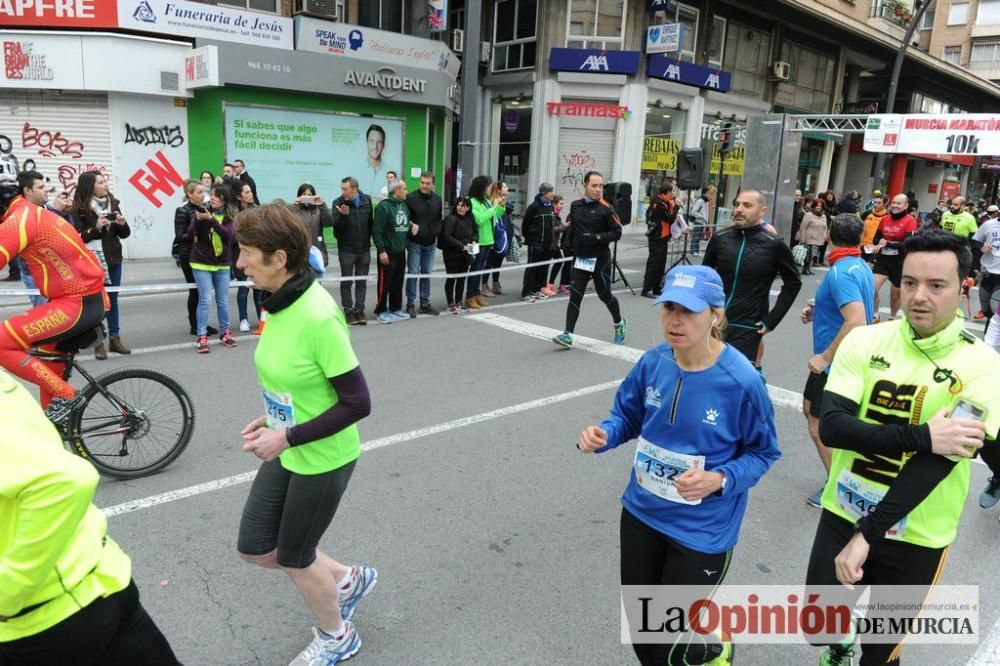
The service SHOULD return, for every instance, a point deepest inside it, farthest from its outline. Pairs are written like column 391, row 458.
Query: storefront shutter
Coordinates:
column 580, row 151
column 59, row 135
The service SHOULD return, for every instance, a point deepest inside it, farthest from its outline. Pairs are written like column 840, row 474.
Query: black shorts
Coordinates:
column 745, row 340
column 814, row 392
column 890, row 266
column 290, row 512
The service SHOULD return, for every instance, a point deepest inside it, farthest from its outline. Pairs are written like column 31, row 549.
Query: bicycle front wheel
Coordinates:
column 133, row 422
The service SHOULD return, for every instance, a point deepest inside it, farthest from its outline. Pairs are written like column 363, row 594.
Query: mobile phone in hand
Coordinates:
column 964, row 409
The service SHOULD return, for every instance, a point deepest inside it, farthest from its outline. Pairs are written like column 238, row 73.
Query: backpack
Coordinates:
column 501, row 241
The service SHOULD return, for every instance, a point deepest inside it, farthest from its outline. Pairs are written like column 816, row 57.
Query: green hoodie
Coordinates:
column 484, row 216
column 392, row 226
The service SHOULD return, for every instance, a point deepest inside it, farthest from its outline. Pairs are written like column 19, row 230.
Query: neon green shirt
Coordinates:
column 962, row 224
column 55, row 552
column 880, row 368
column 303, row 346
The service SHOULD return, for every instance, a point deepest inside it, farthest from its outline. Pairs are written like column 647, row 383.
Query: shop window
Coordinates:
column 514, row 35
column 952, row 54
column 812, row 77
column 663, row 137
column 988, row 12
column 746, row 56
column 515, row 151
column 270, row 6
column 382, row 14
column 596, row 24
column 958, row 13
column 687, row 16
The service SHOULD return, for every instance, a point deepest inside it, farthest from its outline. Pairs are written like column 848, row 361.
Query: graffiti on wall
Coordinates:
column 157, row 176
column 162, row 135
column 572, row 167
column 50, row 143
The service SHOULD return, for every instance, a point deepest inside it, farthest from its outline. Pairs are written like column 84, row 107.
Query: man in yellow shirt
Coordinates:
column 66, row 590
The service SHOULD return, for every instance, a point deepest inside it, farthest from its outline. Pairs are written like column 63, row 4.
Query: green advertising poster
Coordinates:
column 289, row 147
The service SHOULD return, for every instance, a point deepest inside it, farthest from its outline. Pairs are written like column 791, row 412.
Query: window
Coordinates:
column 985, row 54
column 381, row 14
column 958, row 13
column 953, row 54
column 927, row 22
column 988, row 12
column 746, row 56
column 596, row 24
column 812, row 75
column 514, row 35
column 269, row 6
column 687, row 16
column 716, row 42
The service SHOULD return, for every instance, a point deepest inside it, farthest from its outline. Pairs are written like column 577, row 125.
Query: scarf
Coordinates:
column 100, row 206
column 215, row 237
column 898, row 216
column 289, row 292
column 838, row 253
column 542, row 201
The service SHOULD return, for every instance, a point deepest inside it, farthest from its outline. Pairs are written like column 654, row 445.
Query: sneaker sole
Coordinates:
column 562, row 344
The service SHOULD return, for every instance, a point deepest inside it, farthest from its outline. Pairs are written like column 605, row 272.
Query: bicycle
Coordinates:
column 123, row 408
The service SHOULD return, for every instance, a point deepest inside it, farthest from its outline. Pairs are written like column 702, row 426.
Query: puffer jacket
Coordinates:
column 812, row 231
column 748, row 260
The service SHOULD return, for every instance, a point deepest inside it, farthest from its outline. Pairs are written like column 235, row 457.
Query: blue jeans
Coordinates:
column 29, row 283
column 697, row 232
column 209, row 281
column 115, row 273
column 478, row 264
column 419, row 260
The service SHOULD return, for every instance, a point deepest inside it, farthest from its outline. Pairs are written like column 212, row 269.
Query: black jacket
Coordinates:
column 425, row 212
column 181, row 246
column 538, row 225
column 594, row 225
column 246, row 178
column 86, row 224
column 354, row 230
column 748, row 261
column 457, row 232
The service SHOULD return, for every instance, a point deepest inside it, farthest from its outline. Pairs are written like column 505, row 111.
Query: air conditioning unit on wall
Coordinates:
column 457, row 40
column 324, row 8
column 782, row 71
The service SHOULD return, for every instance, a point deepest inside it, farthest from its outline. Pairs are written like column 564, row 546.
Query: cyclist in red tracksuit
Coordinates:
column 70, row 277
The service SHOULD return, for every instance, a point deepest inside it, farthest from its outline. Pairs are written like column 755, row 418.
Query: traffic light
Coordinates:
column 726, row 137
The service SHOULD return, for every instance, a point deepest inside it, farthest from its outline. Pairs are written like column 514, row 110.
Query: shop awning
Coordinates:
column 825, row 136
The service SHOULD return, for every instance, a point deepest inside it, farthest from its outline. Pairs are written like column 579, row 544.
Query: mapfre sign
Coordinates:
column 59, row 13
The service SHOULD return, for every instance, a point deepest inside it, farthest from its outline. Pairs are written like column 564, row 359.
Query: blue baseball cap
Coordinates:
column 694, row 287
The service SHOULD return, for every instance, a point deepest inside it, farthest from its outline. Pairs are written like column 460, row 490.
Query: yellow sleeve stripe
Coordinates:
column 22, row 230
column 13, row 334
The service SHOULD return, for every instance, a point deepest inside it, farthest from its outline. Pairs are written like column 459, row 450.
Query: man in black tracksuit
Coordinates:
column 538, row 228
column 352, row 227
column 593, row 225
column 748, row 259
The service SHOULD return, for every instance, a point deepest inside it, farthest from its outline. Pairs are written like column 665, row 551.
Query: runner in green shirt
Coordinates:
column 66, row 590
column 959, row 221
column 901, row 396
column 314, row 393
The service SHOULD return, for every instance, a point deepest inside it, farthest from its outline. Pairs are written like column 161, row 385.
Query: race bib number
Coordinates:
column 656, row 468
column 858, row 498
column 279, row 410
column 890, row 251
column 585, row 264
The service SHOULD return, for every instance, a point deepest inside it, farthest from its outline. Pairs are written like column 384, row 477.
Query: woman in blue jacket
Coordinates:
column 706, row 435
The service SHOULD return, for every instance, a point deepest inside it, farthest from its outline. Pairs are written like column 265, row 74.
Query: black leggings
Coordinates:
column 454, row 288
column 535, row 277
column 650, row 557
column 111, row 631
column 192, row 302
column 890, row 565
column 602, row 284
column 493, row 260
column 565, row 267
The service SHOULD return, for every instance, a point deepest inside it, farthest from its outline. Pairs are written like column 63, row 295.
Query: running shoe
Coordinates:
column 324, row 651
column 401, row 315
column 496, row 289
column 726, row 657
column 834, row 657
column 486, row 291
column 384, row 318
column 621, row 330
column 563, row 289
column 540, row 295
column 365, row 579
column 202, row 347
column 228, row 340
column 549, row 290
column 816, row 499
column 980, row 315
column 991, row 493
column 530, row 298
column 244, row 326
column 564, row 340
column 60, row 409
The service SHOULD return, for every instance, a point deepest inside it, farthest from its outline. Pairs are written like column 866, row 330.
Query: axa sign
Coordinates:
column 659, row 66
column 594, row 61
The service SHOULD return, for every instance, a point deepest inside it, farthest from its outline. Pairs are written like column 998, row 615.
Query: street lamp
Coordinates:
column 919, row 7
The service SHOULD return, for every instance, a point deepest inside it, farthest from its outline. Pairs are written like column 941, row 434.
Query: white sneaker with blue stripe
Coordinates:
column 325, row 651
column 365, row 579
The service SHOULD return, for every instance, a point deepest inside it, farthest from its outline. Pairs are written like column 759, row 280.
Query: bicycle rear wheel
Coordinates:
column 134, row 423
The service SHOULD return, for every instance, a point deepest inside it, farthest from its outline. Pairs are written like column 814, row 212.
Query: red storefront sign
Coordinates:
column 593, row 109
column 59, row 13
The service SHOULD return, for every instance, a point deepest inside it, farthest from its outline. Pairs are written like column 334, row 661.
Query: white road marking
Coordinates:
column 988, row 653
column 246, row 477
column 779, row 396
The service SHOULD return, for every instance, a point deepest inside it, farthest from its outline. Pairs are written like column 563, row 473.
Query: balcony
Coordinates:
column 986, row 30
column 891, row 17
column 987, row 69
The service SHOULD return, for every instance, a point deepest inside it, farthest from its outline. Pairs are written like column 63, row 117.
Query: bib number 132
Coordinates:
column 660, row 470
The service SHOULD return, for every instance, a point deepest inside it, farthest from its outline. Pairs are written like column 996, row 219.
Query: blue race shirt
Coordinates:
column 722, row 413
column 849, row 280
